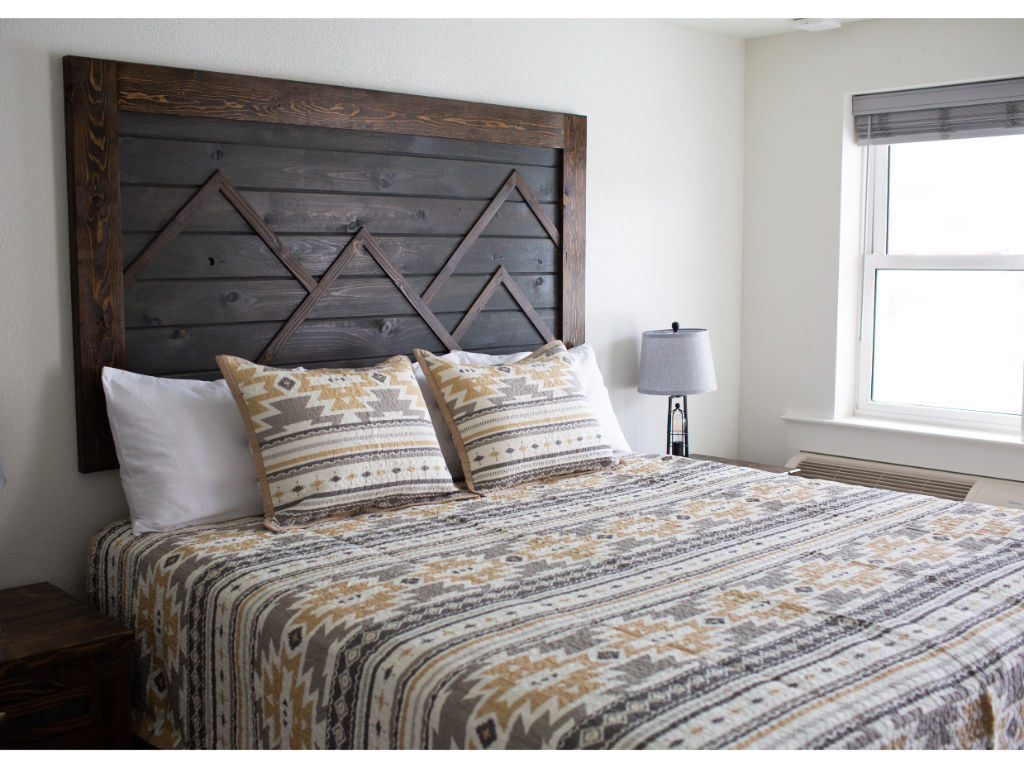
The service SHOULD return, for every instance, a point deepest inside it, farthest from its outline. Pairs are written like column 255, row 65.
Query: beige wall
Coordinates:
column 665, row 164
column 801, row 229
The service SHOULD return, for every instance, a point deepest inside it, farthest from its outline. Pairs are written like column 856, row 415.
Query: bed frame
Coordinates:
column 304, row 224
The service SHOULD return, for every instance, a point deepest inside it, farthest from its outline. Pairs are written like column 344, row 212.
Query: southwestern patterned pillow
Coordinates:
column 517, row 422
column 330, row 443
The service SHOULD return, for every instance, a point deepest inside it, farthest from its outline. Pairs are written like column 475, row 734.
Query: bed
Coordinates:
column 663, row 603
column 653, row 602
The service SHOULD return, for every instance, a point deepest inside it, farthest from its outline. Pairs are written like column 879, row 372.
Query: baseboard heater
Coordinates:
column 897, row 477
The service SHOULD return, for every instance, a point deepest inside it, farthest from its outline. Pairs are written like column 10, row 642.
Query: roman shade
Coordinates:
column 967, row 110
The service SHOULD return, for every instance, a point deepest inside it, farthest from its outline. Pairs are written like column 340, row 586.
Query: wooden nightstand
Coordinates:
column 752, row 464
column 63, row 673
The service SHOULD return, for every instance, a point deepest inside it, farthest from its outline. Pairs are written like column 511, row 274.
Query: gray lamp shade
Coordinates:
column 3, row 477
column 676, row 362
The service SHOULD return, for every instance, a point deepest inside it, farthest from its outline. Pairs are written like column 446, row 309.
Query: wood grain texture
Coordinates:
column 205, row 129
column 179, row 163
column 166, row 90
column 231, row 255
column 478, row 304
column 300, row 169
column 515, row 181
column 160, row 351
column 362, row 240
column 152, row 304
column 94, row 212
column 523, row 187
column 64, row 672
column 518, row 298
column 201, row 201
column 486, row 216
column 574, row 230
column 171, row 230
column 262, row 228
column 147, row 209
column 410, row 294
column 306, row 306
column 529, row 310
column 217, row 183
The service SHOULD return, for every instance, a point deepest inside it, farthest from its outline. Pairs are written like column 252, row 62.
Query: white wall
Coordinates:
column 664, row 209
column 801, row 227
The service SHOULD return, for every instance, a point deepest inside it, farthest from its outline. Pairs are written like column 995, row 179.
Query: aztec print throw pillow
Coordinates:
column 334, row 442
column 517, row 422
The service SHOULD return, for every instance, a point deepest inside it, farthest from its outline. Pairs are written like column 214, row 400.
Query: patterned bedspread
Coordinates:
column 662, row 603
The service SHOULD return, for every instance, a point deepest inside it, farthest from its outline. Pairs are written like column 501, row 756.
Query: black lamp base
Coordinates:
column 678, row 432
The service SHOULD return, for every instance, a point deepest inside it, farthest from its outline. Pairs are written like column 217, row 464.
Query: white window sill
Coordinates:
column 1001, row 437
column 954, row 449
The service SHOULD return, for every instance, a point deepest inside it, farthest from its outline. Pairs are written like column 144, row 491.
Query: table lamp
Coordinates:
column 676, row 362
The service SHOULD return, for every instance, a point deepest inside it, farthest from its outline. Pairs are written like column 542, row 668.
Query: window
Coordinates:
column 942, row 335
column 944, row 281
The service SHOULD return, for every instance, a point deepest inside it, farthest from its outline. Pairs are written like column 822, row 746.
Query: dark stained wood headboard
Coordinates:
column 305, row 224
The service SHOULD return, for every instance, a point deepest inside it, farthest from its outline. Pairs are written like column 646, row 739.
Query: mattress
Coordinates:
column 661, row 603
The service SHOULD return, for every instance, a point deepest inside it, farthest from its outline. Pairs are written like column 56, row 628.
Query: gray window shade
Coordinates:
column 990, row 108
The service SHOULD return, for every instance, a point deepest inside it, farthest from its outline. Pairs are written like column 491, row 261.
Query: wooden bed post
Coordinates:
column 94, row 207
column 574, row 229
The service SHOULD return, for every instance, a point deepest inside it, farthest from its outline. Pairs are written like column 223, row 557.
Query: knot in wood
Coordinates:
column 232, row 297
column 387, row 326
column 182, row 333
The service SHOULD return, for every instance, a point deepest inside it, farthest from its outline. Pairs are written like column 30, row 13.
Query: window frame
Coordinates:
column 876, row 257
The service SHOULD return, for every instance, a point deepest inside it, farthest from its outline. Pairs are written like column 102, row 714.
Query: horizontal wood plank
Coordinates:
column 161, row 162
column 213, row 374
column 175, row 303
column 311, row 137
column 245, row 255
column 148, row 209
column 160, row 351
column 194, row 93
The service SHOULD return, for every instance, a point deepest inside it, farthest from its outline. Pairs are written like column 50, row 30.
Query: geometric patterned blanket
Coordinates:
column 661, row 603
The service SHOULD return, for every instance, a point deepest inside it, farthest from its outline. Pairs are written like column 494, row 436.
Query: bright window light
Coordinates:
column 961, row 197
column 950, row 339
column 943, row 335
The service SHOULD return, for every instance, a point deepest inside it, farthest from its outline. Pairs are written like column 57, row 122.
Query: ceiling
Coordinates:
column 745, row 28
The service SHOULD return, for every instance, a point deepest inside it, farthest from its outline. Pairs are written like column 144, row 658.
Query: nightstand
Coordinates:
column 752, row 464
column 64, row 672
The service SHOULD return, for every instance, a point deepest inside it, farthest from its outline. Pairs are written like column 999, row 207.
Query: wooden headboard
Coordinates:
column 304, row 224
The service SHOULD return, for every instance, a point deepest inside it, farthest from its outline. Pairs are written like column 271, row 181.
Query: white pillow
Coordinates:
column 584, row 363
column 183, row 451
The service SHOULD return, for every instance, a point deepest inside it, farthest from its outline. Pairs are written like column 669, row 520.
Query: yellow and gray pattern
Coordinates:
column 333, row 442
column 660, row 603
column 517, row 422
